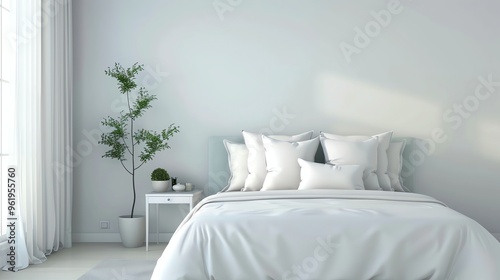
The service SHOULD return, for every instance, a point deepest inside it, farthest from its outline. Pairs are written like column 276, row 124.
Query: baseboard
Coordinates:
column 96, row 237
column 113, row 237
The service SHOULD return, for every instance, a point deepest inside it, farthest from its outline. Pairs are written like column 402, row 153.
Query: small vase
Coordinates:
column 179, row 187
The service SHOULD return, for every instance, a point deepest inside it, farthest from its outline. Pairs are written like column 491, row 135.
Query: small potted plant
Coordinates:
column 160, row 179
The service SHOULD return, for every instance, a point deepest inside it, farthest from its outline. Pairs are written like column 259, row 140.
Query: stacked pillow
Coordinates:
column 282, row 162
column 247, row 162
column 237, row 157
column 326, row 176
column 362, row 153
column 375, row 176
column 257, row 167
column 282, row 166
column 395, row 159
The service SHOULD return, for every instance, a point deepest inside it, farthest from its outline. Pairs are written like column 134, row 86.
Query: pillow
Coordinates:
column 257, row 159
column 237, row 157
column 395, row 155
column 283, row 170
column 326, row 176
column 384, row 139
column 363, row 153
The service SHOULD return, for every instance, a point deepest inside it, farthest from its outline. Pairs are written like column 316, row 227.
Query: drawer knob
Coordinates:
column 168, row 199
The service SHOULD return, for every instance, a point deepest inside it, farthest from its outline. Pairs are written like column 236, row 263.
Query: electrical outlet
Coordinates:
column 104, row 224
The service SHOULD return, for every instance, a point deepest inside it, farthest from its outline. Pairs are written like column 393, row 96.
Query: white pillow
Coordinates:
column 326, row 176
column 384, row 139
column 283, row 170
column 257, row 158
column 363, row 153
column 237, row 157
column 395, row 154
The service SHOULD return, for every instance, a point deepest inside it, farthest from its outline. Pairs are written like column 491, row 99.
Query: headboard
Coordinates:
column 218, row 167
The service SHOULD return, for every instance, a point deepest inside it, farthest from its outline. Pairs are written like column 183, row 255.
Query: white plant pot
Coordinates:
column 132, row 230
column 161, row 186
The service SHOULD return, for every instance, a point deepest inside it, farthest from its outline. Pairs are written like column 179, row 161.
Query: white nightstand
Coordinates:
column 170, row 197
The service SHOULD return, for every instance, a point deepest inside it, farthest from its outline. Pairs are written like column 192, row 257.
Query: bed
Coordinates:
column 324, row 234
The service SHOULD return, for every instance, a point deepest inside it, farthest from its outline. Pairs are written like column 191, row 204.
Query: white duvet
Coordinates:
column 328, row 234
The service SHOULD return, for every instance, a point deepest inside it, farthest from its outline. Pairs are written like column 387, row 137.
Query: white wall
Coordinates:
column 217, row 73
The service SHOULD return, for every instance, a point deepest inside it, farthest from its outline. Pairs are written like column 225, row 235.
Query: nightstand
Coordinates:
column 172, row 197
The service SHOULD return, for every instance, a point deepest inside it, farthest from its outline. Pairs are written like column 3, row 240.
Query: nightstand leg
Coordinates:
column 157, row 230
column 147, row 226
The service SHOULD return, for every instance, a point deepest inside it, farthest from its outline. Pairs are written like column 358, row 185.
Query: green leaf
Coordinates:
column 125, row 77
column 121, row 137
column 115, row 138
column 154, row 141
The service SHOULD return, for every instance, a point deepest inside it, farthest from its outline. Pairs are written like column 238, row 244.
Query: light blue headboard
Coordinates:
column 218, row 167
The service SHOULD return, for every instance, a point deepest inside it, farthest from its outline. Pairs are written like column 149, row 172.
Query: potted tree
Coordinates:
column 160, row 180
column 132, row 147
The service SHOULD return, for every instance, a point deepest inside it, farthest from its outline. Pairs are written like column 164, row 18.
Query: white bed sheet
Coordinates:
column 328, row 234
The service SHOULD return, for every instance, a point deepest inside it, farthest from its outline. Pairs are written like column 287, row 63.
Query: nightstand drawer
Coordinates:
column 169, row 199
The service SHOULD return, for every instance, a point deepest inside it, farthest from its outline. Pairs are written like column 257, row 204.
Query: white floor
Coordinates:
column 71, row 263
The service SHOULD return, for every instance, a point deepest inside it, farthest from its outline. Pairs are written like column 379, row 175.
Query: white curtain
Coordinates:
column 44, row 121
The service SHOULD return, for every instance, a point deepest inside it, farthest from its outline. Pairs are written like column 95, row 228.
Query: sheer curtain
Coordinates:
column 44, row 121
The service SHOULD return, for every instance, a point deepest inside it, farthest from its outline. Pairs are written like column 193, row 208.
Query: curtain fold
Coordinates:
column 44, row 125
column 28, row 95
column 56, row 105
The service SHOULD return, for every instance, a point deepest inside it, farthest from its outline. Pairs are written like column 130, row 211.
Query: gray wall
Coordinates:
column 285, row 66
